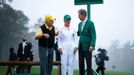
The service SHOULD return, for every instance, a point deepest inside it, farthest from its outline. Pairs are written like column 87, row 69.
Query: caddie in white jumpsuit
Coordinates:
column 67, row 46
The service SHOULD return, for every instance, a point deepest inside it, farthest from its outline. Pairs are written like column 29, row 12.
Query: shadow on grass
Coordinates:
column 36, row 71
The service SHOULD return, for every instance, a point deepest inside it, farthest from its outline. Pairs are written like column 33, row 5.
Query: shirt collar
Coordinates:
column 84, row 21
column 24, row 42
column 50, row 28
column 67, row 28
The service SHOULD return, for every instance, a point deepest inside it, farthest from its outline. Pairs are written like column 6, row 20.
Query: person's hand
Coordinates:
column 91, row 48
column 56, row 33
column 60, row 50
column 18, row 59
column 28, row 59
column 46, row 36
column 75, row 50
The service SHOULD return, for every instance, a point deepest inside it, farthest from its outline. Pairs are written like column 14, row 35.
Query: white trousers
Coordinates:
column 67, row 60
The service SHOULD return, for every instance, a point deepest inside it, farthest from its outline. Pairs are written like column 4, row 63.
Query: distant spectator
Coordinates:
column 12, row 57
column 23, row 54
column 31, row 59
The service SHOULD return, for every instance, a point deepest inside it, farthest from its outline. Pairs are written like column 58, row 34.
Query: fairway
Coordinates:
column 35, row 71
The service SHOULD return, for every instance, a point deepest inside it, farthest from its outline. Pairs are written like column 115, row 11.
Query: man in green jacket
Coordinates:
column 87, row 33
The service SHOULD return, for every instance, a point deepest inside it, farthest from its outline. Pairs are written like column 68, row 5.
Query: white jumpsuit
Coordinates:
column 67, row 42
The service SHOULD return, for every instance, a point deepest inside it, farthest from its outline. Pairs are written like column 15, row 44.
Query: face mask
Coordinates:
column 24, row 40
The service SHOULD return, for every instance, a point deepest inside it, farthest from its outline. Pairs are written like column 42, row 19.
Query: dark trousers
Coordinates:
column 57, row 53
column 22, row 68
column 100, row 68
column 9, row 70
column 88, row 57
column 46, row 60
column 29, row 69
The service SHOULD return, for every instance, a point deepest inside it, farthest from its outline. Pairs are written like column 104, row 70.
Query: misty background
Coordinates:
column 113, row 21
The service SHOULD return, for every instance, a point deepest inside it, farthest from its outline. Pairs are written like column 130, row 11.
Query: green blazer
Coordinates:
column 87, row 35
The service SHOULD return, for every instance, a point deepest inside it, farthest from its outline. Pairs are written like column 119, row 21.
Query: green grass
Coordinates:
column 117, row 73
column 36, row 70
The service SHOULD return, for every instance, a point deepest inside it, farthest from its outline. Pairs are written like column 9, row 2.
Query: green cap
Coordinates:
column 67, row 17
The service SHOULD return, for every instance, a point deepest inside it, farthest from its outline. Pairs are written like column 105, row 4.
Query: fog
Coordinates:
column 113, row 21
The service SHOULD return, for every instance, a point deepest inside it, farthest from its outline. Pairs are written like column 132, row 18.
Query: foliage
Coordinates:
column 121, row 57
column 12, row 25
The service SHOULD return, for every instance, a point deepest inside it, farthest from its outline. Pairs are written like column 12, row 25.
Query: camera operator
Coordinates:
column 99, row 59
